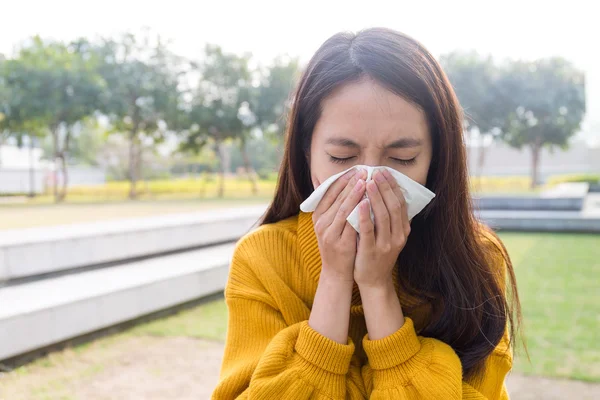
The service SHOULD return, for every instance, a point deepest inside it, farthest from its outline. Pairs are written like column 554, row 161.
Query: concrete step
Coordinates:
column 529, row 203
column 30, row 252
column 541, row 221
column 42, row 313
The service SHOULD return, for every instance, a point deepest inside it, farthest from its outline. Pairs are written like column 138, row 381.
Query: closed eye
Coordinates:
column 404, row 162
column 339, row 160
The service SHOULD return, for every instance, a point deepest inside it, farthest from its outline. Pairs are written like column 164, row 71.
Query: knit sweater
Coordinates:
column 272, row 353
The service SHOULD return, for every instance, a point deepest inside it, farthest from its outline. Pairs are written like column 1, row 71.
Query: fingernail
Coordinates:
column 365, row 205
column 358, row 185
column 351, row 173
column 372, row 187
column 379, row 176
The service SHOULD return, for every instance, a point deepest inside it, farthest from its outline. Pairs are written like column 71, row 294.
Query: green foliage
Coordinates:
column 142, row 81
column 264, row 155
column 548, row 98
column 51, row 87
column 202, row 186
column 534, row 104
column 219, row 106
column 586, row 178
column 271, row 100
column 142, row 97
column 476, row 82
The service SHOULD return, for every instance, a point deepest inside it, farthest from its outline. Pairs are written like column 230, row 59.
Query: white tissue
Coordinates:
column 416, row 195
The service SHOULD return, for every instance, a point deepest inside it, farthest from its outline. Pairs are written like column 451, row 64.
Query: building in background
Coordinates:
column 24, row 171
column 582, row 157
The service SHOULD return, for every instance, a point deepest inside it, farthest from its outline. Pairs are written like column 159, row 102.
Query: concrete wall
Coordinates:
column 18, row 181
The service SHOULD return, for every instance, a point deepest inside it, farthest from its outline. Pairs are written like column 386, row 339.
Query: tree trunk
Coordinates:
column 139, row 163
column 480, row 159
column 31, row 169
column 65, row 181
column 221, row 155
column 535, row 160
column 56, row 168
column 132, row 165
column 248, row 167
column 63, row 157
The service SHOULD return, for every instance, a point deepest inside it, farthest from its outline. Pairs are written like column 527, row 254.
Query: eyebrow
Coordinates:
column 397, row 144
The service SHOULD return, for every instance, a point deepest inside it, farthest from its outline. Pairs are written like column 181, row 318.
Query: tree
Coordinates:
column 272, row 99
column 476, row 82
column 142, row 78
column 87, row 140
column 52, row 87
column 4, row 98
column 548, row 105
column 219, row 108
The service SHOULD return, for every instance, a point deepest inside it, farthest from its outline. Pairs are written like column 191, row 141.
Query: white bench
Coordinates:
column 541, row 221
column 38, row 314
column 36, row 251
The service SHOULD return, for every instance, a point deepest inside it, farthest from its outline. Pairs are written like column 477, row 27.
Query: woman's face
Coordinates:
column 364, row 123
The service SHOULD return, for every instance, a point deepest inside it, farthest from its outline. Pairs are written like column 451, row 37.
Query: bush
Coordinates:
column 500, row 184
column 585, row 178
column 205, row 186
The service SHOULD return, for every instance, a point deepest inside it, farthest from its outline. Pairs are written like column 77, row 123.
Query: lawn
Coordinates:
column 557, row 276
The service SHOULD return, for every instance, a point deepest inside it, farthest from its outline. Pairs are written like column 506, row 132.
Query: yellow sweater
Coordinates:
column 272, row 353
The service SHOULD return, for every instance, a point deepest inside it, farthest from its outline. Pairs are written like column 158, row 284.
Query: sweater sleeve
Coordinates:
column 265, row 358
column 406, row 366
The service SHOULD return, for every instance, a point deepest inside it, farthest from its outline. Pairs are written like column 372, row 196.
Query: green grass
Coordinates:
column 557, row 276
column 207, row 321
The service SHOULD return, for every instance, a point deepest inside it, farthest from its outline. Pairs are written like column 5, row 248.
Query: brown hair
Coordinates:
column 443, row 260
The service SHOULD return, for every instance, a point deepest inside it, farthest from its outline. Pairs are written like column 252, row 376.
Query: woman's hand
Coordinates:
column 336, row 237
column 330, row 313
column 378, row 248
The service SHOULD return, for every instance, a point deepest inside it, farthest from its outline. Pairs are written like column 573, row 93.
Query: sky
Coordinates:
column 525, row 29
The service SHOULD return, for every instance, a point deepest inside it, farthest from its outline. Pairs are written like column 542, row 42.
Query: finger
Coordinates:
column 349, row 234
column 329, row 215
column 333, row 192
column 382, row 216
column 344, row 210
column 392, row 202
column 366, row 228
column 400, row 196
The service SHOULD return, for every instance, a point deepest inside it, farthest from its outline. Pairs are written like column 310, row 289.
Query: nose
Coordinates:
column 372, row 158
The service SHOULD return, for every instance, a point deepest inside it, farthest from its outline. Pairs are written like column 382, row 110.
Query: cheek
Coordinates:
column 321, row 169
column 419, row 172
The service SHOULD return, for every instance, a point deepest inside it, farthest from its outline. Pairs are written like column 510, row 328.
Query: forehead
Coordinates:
column 365, row 111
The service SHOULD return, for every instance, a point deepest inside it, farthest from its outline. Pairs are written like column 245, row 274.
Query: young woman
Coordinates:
column 412, row 309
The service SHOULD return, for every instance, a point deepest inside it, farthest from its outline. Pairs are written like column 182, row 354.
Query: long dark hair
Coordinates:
column 443, row 261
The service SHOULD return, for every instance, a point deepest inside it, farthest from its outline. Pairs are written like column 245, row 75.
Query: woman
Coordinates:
column 412, row 309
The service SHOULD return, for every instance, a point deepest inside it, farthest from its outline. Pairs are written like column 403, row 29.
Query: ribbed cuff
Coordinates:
column 394, row 349
column 323, row 352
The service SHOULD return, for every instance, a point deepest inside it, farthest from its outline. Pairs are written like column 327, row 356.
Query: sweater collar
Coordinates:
column 311, row 259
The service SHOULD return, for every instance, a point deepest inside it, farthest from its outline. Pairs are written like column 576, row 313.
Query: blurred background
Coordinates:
column 140, row 140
